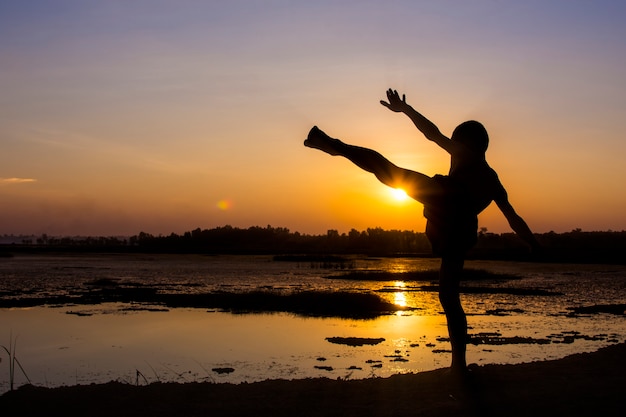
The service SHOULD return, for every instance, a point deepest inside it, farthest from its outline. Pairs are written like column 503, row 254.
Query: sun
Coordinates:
column 399, row 194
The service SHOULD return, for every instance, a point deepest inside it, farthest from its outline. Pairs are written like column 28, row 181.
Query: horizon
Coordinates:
column 119, row 118
column 340, row 232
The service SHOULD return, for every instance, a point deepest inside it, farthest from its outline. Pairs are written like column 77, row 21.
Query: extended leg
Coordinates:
column 416, row 184
column 449, row 296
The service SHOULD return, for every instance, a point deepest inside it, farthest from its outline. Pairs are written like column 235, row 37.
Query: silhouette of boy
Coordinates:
column 451, row 203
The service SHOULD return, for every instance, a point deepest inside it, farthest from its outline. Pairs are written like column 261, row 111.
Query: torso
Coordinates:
column 480, row 181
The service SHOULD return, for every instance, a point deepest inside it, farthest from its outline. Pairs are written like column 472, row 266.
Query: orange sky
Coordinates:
column 120, row 117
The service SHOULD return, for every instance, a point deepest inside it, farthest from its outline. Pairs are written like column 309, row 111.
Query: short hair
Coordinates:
column 473, row 134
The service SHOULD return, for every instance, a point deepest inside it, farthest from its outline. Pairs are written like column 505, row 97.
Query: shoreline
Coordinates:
column 578, row 385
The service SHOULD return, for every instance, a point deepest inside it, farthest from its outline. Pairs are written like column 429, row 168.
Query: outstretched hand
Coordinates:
column 395, row 103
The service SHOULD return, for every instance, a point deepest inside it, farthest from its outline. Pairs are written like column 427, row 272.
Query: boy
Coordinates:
column 451, row 203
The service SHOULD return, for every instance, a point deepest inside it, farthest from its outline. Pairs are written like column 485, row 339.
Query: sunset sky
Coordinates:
column 163, row 116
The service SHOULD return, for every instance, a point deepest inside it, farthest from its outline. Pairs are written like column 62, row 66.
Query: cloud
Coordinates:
column 16, row 180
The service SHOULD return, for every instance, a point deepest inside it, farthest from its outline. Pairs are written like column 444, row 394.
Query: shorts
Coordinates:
column 452, row 222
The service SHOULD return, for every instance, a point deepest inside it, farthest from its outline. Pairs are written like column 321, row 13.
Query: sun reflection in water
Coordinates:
column 399, row 296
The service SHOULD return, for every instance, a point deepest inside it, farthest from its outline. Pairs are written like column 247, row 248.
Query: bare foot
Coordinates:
column 317, row 139
column 462, row 373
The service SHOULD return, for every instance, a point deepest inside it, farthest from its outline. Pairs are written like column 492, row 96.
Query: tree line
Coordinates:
column 574, row 246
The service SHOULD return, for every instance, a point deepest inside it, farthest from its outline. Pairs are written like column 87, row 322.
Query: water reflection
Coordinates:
column 399, row 296
column 181, row 345
column 186, row 345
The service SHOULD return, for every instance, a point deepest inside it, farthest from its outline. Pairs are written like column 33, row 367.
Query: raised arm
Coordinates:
column 428, row 128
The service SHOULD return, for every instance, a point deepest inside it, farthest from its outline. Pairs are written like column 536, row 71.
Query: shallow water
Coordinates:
column 110, row 343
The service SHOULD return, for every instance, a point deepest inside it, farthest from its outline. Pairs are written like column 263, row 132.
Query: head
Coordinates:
column 472, row 134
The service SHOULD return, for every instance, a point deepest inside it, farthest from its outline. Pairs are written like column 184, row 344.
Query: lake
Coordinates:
column 511, row 321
